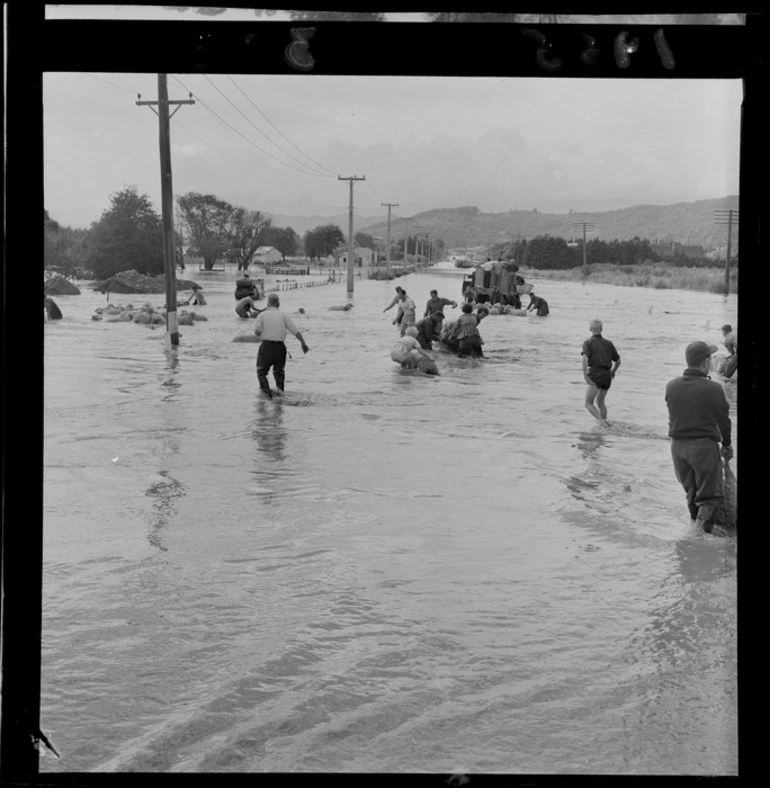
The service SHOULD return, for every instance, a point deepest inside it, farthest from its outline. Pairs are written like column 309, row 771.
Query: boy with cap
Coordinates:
column 699, row 419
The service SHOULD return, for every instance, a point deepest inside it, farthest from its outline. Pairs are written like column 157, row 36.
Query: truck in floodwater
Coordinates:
column 496, row 281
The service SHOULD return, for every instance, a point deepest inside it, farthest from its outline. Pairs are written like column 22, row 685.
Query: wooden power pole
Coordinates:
column 387, row 259
column 406, row 219
column 728, row 216
column 585, row 226
column 167, row 202
column 351, row 246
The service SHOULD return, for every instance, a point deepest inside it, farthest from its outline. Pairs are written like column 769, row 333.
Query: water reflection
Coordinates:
column 692, row 618
column 163, row 495
column 588, row 443
column 269, row 433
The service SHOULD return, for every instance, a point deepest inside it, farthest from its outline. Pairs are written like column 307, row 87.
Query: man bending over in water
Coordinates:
column 598, row 370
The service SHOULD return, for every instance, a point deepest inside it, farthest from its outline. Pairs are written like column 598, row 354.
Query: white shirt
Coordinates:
column 273, row 325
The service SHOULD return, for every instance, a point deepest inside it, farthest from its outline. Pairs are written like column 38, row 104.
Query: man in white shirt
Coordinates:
column 271, row 326
column 408, row 309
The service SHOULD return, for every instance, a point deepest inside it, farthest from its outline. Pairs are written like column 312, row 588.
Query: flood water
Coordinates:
column 386, row 572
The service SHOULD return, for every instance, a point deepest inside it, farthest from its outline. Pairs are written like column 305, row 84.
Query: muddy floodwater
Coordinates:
column 385, row 572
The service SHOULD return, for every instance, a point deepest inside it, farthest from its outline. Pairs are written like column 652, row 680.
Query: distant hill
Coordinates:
column 300, row 224
column 682, row 222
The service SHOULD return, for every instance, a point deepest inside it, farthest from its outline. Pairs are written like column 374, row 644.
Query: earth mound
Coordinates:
column 58, row 285
column 134, row 282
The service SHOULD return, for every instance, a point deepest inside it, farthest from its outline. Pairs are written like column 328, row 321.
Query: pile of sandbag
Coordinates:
column 134, row 282
column 58, row 285
column 146, row 314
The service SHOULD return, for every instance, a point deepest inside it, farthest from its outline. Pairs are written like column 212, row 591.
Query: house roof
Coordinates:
column 266, row 249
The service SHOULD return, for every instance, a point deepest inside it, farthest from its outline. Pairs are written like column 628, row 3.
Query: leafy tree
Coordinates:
column 208, row 221
column 284, row 239
column 548, row 252
column 55, row 246
column 365, row 240
column 322, row 240
column 411, row 247
column 247, row 231
column 129, row 235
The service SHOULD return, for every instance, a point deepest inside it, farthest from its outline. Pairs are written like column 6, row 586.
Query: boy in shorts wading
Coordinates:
column 600, row 363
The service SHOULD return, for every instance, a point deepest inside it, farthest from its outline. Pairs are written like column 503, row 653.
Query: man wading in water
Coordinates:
column 698, row 419
column 271, row 326
column 598, row 356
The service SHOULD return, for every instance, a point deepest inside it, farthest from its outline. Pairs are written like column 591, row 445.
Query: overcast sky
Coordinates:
column 421, row 142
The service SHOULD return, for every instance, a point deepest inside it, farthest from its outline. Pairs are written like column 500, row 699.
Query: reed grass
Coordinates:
column 659, row 276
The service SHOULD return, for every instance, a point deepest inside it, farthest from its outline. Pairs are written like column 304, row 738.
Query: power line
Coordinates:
column 239, row 164
column 107, row 82
column 243, row 136
column 248, row 120
column 377, row 196
column 277, row 129
column 199, row 138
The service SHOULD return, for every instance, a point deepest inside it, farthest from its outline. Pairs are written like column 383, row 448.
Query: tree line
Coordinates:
column 552, row 252
column 129, row 235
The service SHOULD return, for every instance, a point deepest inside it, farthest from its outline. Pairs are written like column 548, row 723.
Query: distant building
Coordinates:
column 267, row 255
column 364, row 256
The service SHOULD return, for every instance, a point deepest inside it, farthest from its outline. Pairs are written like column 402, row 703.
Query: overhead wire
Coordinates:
column 237, row 163
column 197, row 136
column 244, row 137
column 234, row 130
column 277, row 129
column 106, row 81
column 248, row 120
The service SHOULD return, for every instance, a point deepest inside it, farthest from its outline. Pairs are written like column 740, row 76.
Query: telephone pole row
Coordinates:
column 351, row 247
column 167, row 201
column 387, row 262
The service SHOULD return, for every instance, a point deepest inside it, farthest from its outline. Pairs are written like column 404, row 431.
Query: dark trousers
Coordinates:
column 271, row 354
column 471, row 346
column 698, row 466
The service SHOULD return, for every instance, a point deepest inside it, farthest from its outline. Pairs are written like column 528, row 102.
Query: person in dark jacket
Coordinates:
column 535, row 302
column 429, row 329
column 698, row 420
column 52, row 310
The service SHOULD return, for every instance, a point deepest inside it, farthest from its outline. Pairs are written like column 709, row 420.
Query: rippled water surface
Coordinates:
column 385, row 572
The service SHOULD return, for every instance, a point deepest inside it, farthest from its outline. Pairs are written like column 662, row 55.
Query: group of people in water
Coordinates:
column 460, row 336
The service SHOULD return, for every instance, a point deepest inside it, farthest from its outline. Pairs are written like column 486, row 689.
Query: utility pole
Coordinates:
column 424, row 245
column 406, row 219
column 351, row 246
column 167, row 202
column 584, row 226
column 728, row 216
column 387, row 261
